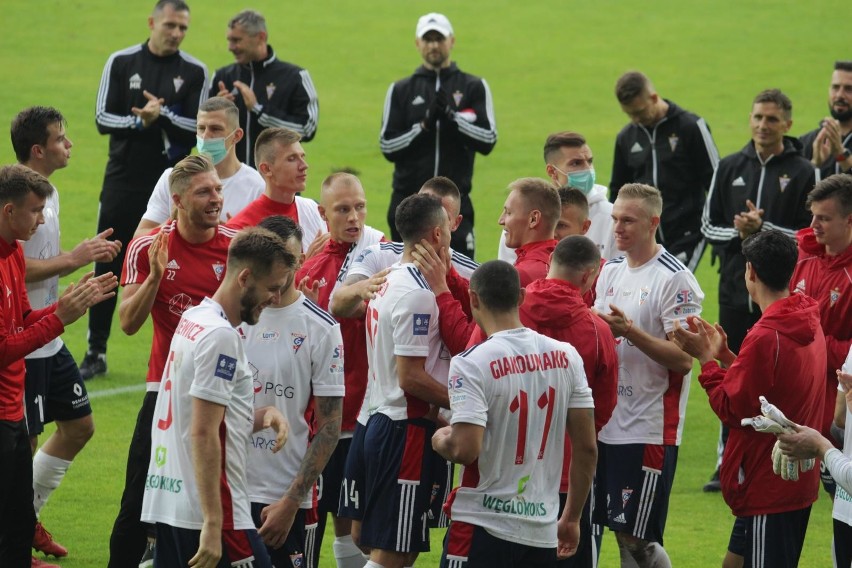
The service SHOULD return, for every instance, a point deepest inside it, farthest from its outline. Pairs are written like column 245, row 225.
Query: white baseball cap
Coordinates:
column 434, row 22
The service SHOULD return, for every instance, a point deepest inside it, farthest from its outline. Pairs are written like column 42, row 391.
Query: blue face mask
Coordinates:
column 213, row 147
column 583, row 180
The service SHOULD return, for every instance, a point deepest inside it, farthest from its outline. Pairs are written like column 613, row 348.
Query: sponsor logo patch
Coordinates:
column 421, row 324
column 225, row 367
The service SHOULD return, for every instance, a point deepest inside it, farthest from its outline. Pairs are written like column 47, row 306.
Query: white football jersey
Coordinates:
column 44, row 244
column 295, row 353
column 651, row 401
column 206, row 361
column 376, row 258
column 518, row 385
column 237, row 191
column 843, row 499
column 402, row 320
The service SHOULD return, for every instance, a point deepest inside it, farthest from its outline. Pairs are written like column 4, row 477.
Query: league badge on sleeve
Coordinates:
column 226, row 367
column 421, row 324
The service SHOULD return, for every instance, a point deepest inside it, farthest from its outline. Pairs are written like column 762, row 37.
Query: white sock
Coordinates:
column 371, row 564
column 48, row 472
column 346, row 553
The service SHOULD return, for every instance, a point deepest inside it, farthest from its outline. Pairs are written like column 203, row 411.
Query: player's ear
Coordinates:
column 321, row 210
column 474, row 298
column 586, row 224
column 243, row 277
column 522, row 295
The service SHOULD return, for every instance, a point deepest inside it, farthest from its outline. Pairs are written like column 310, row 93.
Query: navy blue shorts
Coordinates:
column 54, row 391
column 770, row 540
column 175, row 547
column 442, row 484
column 349, row 504
column 398, row 484
column 470, row 546
column 637, row 486
column 296, row 552
column 331, row 479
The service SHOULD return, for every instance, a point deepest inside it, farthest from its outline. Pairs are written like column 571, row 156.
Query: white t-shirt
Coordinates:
column 651, row 400
column 206, row 361
column 518, row 385
column 237, row 191
column 840, row 466
column 376, row 258
column 402, row 320
column 42, row 245
column 295, row 353
column 600, row 231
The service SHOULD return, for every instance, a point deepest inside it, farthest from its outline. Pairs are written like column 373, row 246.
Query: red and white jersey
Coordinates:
column 206, row 361
column 518, row 385
column 237, row 192
column 841, row 470
column 44, row 244
column 193, row 271
column 295, row 353
column 651, row 399
column 376, row 258
column 402, row 320
column 302, row 210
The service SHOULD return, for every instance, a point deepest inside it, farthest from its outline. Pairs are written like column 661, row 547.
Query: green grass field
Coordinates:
column 551, row 66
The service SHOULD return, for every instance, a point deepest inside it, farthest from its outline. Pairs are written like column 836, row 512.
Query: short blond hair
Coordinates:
column 540, row 195
column 183, row 172
column 648, row 195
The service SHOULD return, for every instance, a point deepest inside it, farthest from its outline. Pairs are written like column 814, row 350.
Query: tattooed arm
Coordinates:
column 278, row 517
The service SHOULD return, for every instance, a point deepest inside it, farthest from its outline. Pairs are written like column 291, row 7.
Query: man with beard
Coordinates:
column 434, row 123
column 829, row 147
column 196, row 488
column 165, row 273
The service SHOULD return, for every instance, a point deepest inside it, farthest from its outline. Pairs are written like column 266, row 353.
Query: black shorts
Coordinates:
column 331, row 478
column 842, row 544
column 398, row 483
column 54, row 391
column 243, row 548
column 637, row 487
column 770, row 540
column 470, row 546
column 351, row 487
column 296, row 552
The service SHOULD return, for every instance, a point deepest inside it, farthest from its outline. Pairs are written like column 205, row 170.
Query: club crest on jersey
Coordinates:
column 135, row 81
column 226, row 366
column 298, row 340
column 178, row 83
column 297, row 560
column 643, row 294
column 783, row 181
column 673, row 140
column 625, row 497
column 834, row 295
column 420, row 324
column 457, row 98
column 270, row 90
column 218, row 270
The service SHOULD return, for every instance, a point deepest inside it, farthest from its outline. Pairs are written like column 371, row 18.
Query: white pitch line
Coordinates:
column 117, row 390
